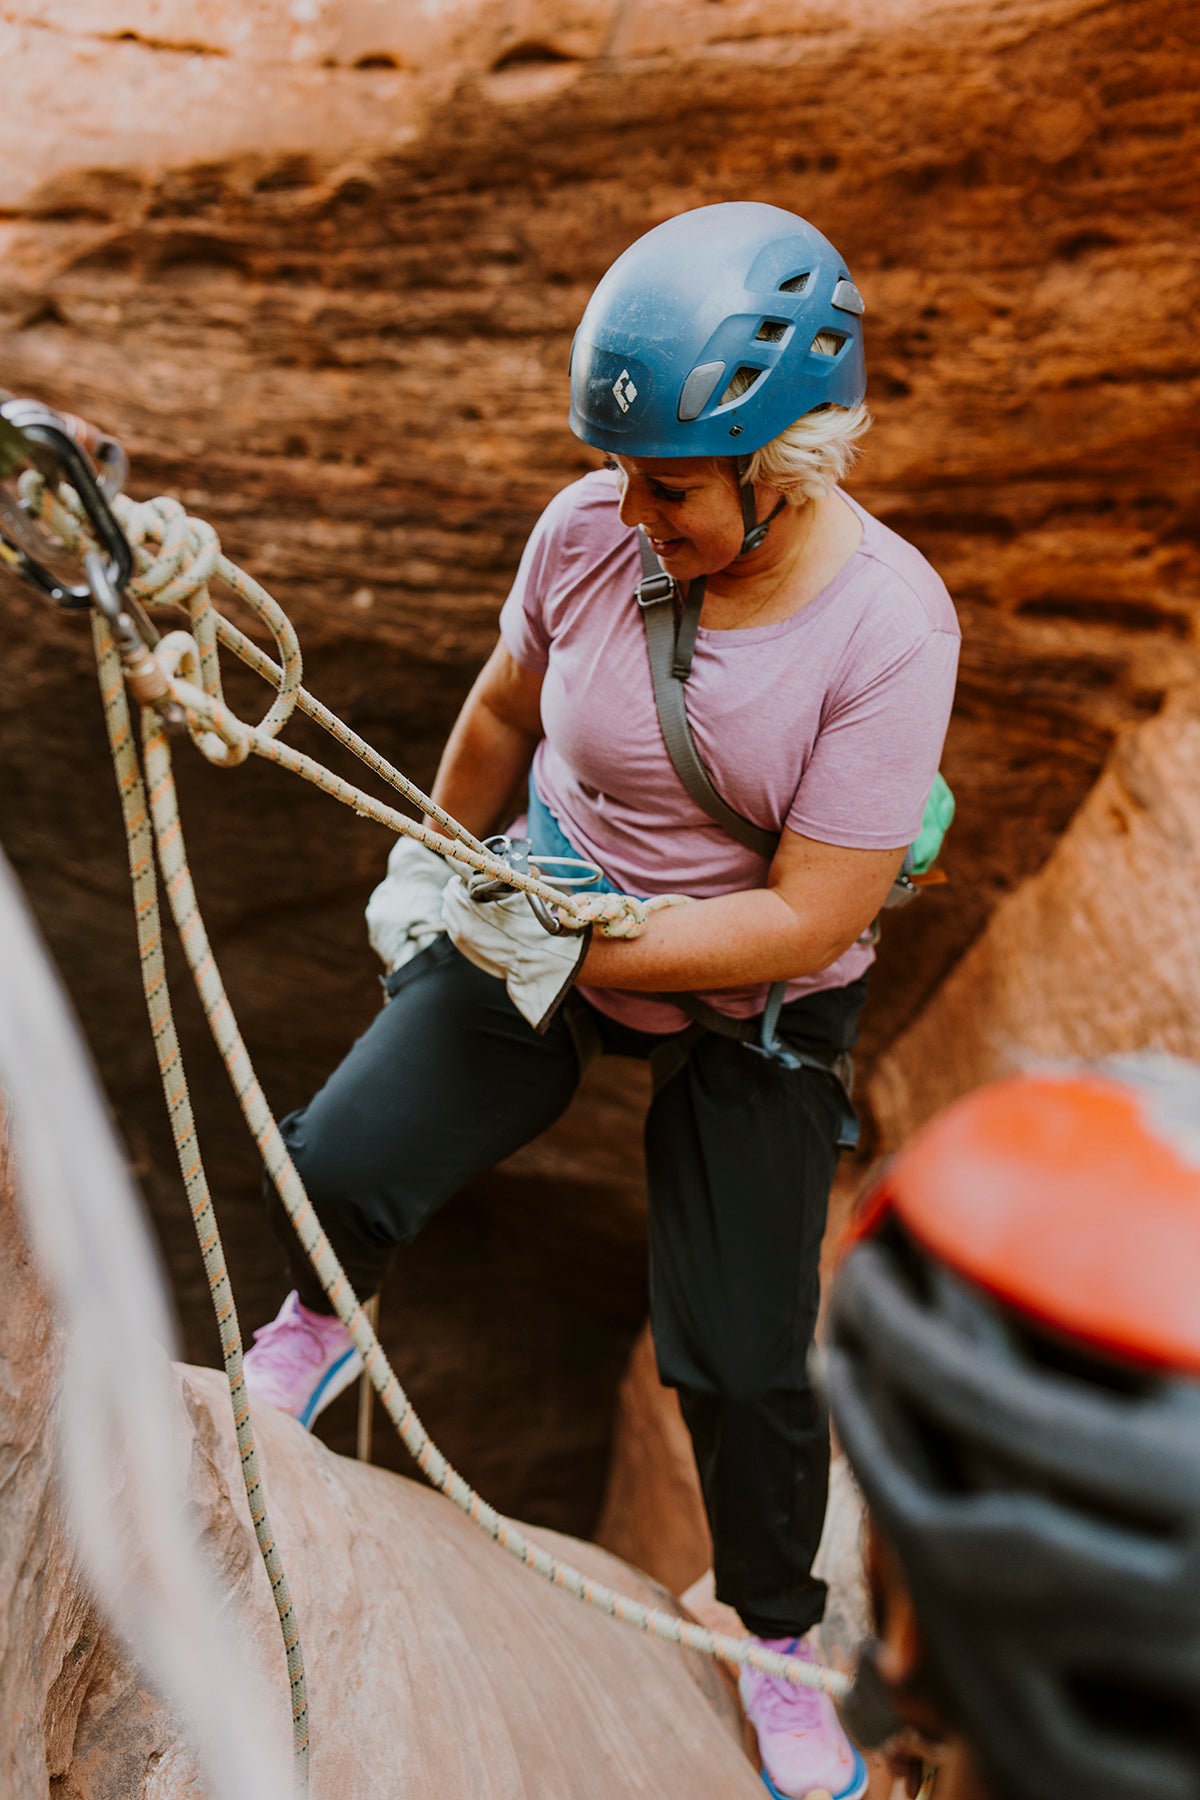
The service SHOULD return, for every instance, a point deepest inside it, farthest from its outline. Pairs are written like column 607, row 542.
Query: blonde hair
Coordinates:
column 811, row 457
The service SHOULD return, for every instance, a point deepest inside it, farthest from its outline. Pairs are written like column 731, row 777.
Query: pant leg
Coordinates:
column 446, row 1081
column 741, row 1156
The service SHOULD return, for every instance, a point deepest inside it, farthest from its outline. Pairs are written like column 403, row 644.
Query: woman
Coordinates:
column 719, row 365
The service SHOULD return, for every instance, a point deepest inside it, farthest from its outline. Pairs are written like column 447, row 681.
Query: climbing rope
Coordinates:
column 176, row 558
column 174, row 1082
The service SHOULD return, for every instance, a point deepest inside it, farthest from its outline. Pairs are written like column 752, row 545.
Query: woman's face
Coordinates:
column 689, row 508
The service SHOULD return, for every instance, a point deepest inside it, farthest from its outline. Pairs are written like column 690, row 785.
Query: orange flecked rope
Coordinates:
column 162, row 536
column 132, row 790
column 177, row 556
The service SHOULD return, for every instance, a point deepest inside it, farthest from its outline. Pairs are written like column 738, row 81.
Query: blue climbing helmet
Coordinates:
column 735, row 290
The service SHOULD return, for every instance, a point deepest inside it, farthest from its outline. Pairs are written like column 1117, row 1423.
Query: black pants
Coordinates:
column 740, row 1155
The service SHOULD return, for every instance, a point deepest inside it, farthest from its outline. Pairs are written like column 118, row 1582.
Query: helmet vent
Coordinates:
column 740, row 383
column 795, row 284
column 828, row 343
column 771, row 331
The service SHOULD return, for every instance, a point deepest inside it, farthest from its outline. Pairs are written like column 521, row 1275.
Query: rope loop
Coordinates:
column 176, row 558
column 217, row 733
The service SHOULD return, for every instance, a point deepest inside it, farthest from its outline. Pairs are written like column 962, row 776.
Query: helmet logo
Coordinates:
column 623, row 391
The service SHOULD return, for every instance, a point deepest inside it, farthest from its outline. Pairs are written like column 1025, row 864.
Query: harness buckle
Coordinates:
column 902, row 891
column 654, row 590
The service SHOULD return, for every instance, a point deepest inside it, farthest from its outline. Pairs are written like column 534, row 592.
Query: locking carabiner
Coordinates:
column 519, row 854
column 52, row 443
column 61, row 447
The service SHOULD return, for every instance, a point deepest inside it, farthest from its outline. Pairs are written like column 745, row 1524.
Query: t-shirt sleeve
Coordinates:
column 523, row 623
column 873, row 764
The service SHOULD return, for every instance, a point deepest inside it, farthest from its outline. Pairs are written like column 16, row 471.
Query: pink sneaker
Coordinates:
column 300, row 1361
column 803, row 1747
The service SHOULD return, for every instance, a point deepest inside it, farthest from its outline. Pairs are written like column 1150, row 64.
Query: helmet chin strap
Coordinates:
column 755, row 528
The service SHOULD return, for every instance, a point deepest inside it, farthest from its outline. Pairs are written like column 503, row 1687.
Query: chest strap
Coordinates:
column 670, row 644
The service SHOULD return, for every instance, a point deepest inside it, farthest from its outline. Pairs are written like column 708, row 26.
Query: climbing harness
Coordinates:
column 173, row 559
column 671, row 621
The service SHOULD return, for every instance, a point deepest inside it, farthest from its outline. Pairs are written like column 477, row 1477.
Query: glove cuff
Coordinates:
column 569, row 980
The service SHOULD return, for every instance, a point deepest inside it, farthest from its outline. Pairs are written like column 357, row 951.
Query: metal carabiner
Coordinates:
column 62, row 447
column 549, row 921
column 519, row 854
column 541, row 866
column 53, row 444
column 513, row 851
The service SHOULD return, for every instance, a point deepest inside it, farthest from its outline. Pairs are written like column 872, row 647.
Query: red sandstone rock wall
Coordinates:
column 1096, row 955
column 319, row 263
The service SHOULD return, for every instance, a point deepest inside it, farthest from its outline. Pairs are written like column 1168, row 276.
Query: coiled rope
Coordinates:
column 176, row 558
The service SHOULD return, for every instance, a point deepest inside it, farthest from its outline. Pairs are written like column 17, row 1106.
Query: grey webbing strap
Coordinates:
column 687, row 625
column 670, row 653
column 771, row 1012
column 670, row 649
column 760, row 1035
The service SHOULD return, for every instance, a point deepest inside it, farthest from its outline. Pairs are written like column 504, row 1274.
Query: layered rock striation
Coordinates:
column 1096, row 955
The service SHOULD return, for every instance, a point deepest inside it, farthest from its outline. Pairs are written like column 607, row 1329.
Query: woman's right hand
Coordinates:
column 404, row 914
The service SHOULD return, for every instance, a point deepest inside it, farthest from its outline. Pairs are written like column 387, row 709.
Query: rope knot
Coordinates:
column 176, row 555
column 621, row 915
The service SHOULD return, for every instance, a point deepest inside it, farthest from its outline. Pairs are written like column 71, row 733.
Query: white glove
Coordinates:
column 404, row 914
column 503, row 938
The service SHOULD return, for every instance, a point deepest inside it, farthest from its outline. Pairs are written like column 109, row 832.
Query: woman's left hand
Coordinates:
column 503, row 938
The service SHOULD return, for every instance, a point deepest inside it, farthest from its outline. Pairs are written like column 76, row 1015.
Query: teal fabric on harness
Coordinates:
column 546, row 838
column 939, row 816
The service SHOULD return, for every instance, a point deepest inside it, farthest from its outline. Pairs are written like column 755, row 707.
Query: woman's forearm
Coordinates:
column 736, row 941
column 819, row 899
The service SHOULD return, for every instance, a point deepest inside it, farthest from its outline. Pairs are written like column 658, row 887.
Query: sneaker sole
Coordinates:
column 334, row 1381
column 859, row 1782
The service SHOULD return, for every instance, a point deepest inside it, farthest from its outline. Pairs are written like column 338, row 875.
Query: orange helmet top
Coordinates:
column 1072, row 1196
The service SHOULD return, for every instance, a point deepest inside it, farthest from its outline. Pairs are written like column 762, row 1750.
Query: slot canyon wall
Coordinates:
column 318, row 266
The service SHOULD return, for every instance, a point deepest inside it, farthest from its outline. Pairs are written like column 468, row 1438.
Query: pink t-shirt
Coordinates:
column 829, row 724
